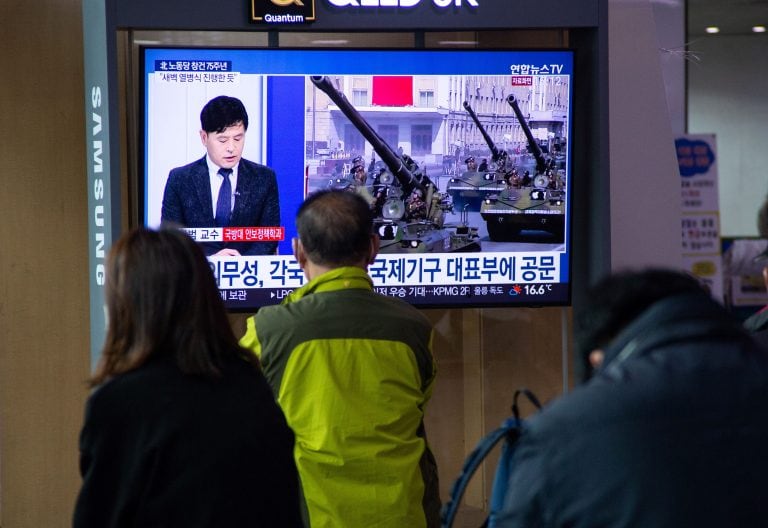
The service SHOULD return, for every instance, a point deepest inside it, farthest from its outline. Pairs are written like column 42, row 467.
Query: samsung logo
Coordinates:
column 98, row 184
column 401, row 3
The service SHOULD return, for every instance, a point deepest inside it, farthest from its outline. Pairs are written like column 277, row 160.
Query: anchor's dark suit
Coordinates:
column 187, row 202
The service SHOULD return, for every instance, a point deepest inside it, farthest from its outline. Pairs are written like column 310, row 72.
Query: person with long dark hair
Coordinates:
column 182, row 428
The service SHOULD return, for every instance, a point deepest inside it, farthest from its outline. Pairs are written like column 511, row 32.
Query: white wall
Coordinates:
column 728, row 96
column 644, row 177
column 669, row 16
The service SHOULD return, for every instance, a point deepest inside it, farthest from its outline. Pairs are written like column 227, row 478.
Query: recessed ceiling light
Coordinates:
column 758, row 29
column 330, row 42
column 712, row 29
column 457, row 43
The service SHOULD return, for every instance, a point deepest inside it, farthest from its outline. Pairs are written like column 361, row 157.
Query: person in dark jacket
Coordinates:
column 757, row 323
column 223, row 189
column 670, row 430
column 182, row 429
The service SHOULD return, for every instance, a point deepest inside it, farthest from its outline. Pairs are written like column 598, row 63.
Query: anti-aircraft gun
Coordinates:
column 540, row 207
column 499, row 158
column 409, row 211
column 544, row 164
column 473, row 186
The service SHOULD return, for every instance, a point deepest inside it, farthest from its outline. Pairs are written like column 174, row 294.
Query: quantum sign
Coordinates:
column 283, row 11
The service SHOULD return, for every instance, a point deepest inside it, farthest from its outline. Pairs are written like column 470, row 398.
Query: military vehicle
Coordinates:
column 469, row 189
column 518, row 207
column 408, row 208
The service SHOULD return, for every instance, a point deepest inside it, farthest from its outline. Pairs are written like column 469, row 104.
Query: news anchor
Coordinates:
column 222, row 189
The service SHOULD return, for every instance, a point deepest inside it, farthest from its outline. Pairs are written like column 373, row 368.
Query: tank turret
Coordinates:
column 409, row 210
column 499, row 157
column 472, row 186
column 396, row 164
column 541, row 208
column 542, row 163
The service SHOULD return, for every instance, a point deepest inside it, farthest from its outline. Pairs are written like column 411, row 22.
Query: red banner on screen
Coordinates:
column 253, row 234
column 392, row 91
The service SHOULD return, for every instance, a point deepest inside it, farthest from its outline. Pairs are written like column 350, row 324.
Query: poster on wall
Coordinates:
column 700, row 209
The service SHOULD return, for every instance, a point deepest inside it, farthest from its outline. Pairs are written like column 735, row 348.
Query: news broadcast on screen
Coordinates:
column 463, row 156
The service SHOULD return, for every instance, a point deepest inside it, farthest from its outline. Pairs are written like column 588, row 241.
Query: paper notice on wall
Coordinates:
column 700, row 222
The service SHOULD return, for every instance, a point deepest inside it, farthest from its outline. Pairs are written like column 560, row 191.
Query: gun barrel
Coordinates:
column 541, row 162
column 495, row 152
column 392, row 160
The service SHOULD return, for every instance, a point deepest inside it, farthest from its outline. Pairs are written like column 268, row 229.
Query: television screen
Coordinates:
column 463, row 155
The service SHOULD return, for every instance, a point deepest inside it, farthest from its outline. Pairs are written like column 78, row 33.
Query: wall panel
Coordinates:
column 43, row 289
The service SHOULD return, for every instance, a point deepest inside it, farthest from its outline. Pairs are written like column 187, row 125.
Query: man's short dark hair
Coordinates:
column 335, row 227
column 618, row 299
column 222, row 112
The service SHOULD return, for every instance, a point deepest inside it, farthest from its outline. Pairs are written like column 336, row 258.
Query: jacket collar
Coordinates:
column 680, row 318
column 347, row 277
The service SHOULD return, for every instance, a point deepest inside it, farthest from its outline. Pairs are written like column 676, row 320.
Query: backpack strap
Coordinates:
column 531, row 398
column 505, row 466
column 510, row 428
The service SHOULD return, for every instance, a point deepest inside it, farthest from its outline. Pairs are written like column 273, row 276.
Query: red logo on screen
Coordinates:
column 522, row 80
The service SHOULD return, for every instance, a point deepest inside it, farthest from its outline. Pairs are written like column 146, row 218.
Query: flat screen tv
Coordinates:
column 465, row 160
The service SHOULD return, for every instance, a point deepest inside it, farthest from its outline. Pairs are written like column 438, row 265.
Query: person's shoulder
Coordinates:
column 181, row 177
column 274, row 315
column 258, row 168
column 583, row 408
column 118, row 394
column 237, row 371
column 194, row 165
column 146, row 374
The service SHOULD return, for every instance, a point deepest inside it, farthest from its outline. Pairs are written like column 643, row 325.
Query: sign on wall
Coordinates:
column 700, row 209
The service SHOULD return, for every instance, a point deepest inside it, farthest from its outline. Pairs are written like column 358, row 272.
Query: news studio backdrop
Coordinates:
column 525, row 229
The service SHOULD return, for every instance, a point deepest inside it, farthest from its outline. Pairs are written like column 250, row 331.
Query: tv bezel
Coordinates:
column 469, row 301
